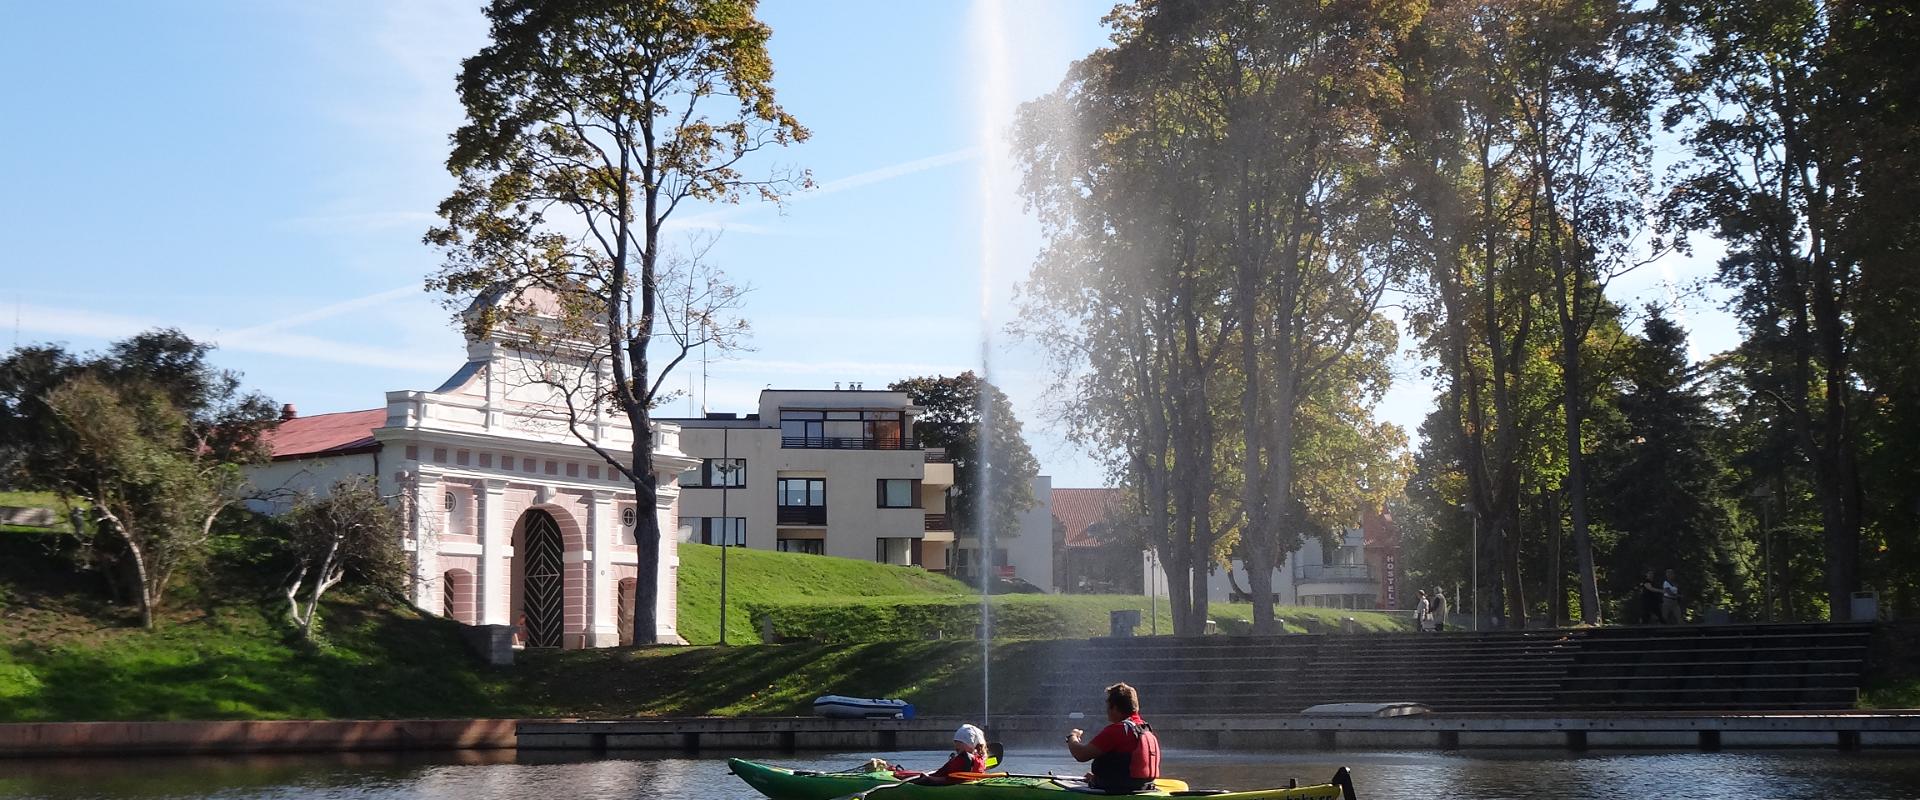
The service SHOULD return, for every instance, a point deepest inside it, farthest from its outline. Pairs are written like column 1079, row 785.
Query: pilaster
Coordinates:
column 602, row 600
column 496, row 537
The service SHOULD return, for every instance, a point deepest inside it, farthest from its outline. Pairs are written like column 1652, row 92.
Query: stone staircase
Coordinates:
column 1640, row 669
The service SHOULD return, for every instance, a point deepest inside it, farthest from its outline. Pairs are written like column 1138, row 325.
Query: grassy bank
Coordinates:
column 758, row 577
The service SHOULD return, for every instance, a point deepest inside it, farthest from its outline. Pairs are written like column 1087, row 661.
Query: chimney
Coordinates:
column 836, row 386
column 287, row 412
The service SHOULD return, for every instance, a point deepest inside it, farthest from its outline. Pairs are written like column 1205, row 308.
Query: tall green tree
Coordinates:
column 1798, row 124
column 1661, row 484
column 589, row 124
column 974, row 422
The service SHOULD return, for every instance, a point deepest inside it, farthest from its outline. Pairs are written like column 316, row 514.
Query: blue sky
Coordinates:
column 259, row 174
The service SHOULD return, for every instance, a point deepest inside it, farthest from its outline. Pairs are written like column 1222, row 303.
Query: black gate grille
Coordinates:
column 543, row 588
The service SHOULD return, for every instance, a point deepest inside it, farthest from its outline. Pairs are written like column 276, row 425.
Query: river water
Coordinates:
column 503, row 775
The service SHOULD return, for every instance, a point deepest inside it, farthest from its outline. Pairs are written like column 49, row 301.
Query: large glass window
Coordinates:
column 729, row 472
column 812, row 547
column 803, row 491
column 898, row 493
column 725, row 531
column 803, row 425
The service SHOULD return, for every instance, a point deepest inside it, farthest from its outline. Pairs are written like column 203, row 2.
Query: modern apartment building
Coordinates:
column 829, row 472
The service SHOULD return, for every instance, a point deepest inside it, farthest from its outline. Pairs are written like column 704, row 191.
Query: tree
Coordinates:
column 1799, row 123
column 352, row 532
column 1661, row 485
column 1002, row 471
column 589, row 123
column 144, row 441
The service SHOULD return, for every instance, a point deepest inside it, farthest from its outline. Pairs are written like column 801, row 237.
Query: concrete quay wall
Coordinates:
column 34, row 739
column 1283, row 732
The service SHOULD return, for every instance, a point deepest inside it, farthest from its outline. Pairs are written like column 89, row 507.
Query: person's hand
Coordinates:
column 1074, row 735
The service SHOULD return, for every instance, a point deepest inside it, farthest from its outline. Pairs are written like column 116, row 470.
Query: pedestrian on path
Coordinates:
column 1421, row 612
column 1439, row 609
column 1647, row 611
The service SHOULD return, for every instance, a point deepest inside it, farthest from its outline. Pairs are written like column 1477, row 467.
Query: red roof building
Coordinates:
column 1079, row 510
column 336, row 434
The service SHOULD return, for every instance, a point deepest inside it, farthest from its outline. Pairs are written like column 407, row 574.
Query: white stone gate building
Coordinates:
column 511, row 520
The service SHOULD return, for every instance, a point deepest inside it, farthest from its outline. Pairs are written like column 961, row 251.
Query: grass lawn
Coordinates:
column 36, row 500
column 758, row 576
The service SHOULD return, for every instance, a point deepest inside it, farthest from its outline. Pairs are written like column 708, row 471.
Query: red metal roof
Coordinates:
column 1080, row 509
column 326, row 434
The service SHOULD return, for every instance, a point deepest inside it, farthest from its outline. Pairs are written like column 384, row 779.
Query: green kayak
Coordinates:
column 780, row 783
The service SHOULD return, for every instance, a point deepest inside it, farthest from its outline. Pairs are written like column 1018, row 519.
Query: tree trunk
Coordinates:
column 646, row 594
column 1575, row 481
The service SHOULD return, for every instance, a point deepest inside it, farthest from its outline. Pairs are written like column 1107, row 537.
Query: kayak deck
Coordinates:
column 781, row 783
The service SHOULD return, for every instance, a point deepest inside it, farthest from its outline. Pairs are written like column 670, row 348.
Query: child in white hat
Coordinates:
column 969, row 752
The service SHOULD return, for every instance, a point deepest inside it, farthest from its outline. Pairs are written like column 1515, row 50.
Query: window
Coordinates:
column 803, row 501
column 812, row 547
column 726, row 531
column 803, row 425
column 728, row 472
column 803, row 492
column 880, row 429
column 894, row 550
column 898, row 492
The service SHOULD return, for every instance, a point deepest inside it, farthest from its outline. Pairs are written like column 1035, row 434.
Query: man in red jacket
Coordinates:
column 1125, row 754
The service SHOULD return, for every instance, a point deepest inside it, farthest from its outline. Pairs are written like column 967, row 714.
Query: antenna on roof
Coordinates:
column 703, row 379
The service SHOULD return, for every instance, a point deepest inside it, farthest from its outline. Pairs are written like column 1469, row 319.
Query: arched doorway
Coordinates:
column 542, row 581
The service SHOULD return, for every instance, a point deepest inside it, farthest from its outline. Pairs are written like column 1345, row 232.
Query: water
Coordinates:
column 538, row 776
column 993, row 111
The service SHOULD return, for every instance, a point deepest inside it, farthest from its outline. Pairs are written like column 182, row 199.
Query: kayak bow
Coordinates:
column 781, row 783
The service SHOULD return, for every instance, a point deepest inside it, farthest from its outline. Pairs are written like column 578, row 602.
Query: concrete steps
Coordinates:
column 1677, row 668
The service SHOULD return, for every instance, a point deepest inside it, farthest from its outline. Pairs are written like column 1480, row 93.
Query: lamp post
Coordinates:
column 1475, row 569
column 1764, row 494
column 726, row 470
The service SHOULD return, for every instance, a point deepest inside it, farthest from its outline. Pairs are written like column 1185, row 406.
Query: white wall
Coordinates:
column 282, row 482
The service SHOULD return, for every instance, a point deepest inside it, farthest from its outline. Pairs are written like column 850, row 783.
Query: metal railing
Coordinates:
column 802, row 515
column 938, row 455
column 939, row 522
column 1332, row 572
column 848, row 443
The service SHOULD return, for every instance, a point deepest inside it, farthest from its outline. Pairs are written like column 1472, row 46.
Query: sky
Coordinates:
column 259, row 173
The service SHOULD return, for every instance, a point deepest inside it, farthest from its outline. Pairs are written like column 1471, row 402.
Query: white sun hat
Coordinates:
column 971, row 735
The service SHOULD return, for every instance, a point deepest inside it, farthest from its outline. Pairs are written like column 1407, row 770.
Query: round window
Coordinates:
column 452, row 500
column 626, row 517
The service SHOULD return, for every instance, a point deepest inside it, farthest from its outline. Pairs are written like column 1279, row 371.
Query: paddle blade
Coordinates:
column 995, row 751
column 1170, row 784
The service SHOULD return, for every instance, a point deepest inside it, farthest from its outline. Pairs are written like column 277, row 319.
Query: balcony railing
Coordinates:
column 939, row 522
column 938, row 455
column 848, row 443
column 802, row 515
column 1332, row 572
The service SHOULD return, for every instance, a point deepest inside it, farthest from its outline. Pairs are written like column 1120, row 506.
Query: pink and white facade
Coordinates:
column 511, row 520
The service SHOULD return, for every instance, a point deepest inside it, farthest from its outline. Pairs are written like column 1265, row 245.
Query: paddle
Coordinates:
column 995, row 751
column 1163, row 784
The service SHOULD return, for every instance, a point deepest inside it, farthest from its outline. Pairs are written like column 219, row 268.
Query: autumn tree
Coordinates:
column 589, row 124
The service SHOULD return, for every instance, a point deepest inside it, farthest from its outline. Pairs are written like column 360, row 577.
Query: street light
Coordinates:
column 1475, row 570
column 1764, row 494
column 726, row 470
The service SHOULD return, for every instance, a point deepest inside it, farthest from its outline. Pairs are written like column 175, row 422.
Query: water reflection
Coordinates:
column 503, row 775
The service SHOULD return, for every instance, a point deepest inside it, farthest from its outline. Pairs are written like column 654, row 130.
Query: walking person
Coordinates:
column 1421, row 612
column 1670, row 611
column 1439, row 609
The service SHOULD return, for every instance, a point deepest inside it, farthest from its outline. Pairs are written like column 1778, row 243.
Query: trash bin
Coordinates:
column 1866, row 606
column 1123, row 621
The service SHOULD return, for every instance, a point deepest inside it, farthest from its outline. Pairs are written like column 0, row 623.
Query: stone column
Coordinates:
column 492, row 599
column 429, row 516
column 602, row 601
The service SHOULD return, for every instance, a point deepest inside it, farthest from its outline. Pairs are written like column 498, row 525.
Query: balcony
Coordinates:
column 938, row 455
column 802, row 515
column 1333, row 573
column 939, row 522
column 848, row 443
